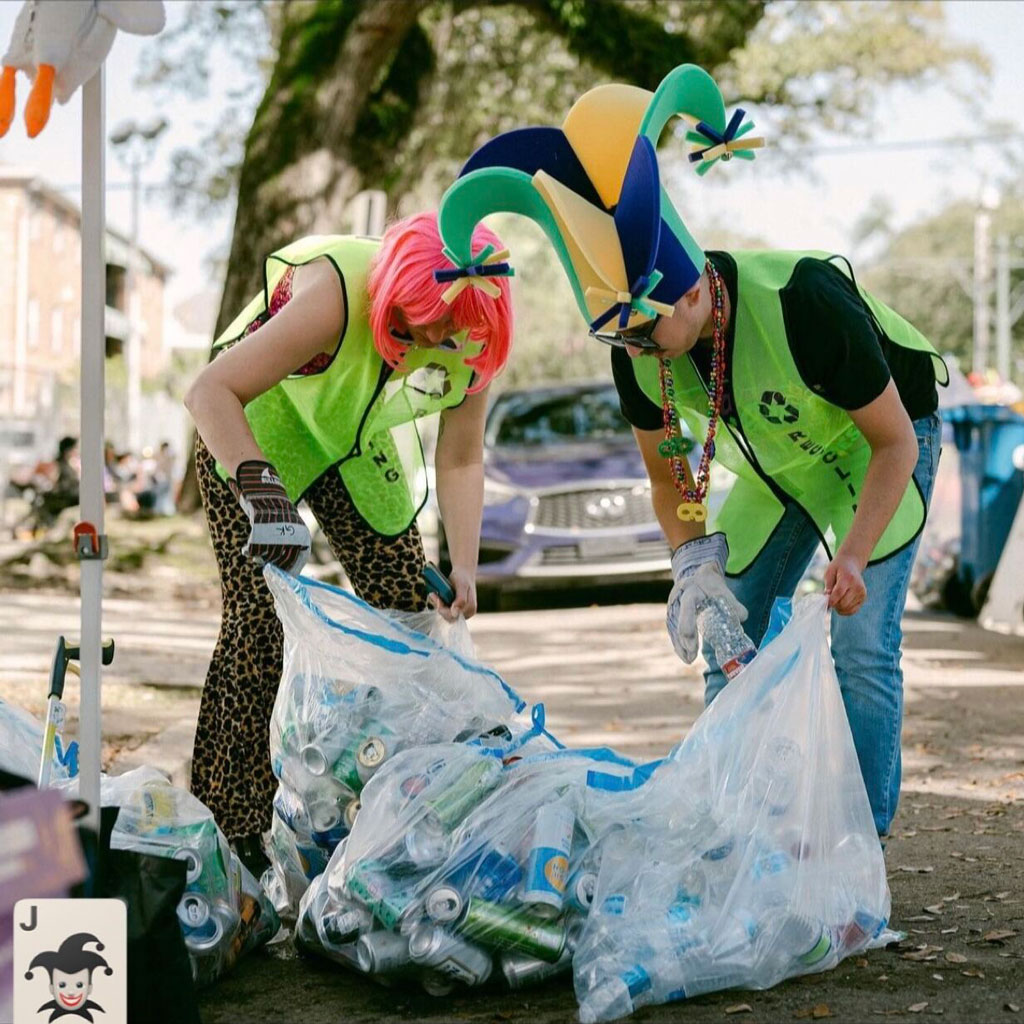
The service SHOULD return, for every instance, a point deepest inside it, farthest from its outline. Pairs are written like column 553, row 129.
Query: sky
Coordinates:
column 757, row 199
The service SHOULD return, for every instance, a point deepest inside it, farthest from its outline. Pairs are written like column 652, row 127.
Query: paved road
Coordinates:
column 608, row 677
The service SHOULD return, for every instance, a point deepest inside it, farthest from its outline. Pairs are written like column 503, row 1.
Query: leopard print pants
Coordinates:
column 231, row 763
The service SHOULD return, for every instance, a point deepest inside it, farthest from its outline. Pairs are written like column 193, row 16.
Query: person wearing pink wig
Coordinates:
column 313, row 395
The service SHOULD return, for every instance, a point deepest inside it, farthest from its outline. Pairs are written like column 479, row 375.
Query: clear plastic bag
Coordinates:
column 21, row 745
column 750, row 856
column 358, row 686
column 223, row 913
column 462, row 868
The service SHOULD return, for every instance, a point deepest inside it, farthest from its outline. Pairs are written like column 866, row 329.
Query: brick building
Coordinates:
column 40, row 329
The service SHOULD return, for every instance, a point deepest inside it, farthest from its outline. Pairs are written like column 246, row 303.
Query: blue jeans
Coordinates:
column 865, row 646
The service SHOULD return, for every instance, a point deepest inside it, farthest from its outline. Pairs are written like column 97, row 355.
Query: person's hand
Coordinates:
column 699, row 570
column 844, row 584
column 278, row 536
column 464, row 604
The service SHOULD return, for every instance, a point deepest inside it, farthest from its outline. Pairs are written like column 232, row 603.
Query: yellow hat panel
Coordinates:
column 590, row 239
column 601, row 128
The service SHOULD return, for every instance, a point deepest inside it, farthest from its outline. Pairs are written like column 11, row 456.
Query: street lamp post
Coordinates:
column 135, row 145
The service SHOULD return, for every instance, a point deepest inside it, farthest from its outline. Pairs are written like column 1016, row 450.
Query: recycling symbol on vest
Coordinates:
column 775, row 409
column 432, row 380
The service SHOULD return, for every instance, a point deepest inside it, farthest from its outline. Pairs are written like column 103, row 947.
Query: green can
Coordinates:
column 451, row 806
column 369, row 882
column 507, row 927
column 348, row 769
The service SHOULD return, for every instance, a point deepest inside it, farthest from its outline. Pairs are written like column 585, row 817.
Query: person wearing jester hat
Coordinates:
column 815, row 394
column 314, row 394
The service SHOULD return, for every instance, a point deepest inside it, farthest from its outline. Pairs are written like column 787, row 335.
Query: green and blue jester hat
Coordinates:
column 594, row 188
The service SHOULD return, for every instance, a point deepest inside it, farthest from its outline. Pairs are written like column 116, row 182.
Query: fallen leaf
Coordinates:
column 926, row 870
column 938, row 977
column 935, row 908
column 949, row 931
column 973, row 972
column 917, row 1007
column 861, row 961
column 956, row 958
column 883, row 977
column 816, row 1012
column 998, row 935
column 740, row 1008
column 1012, row 1007
column 909, row 834
column 935, row 828
column 952, row 898
column 922, row 954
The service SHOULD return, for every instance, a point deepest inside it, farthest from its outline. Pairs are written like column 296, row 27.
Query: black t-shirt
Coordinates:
column 836, row 344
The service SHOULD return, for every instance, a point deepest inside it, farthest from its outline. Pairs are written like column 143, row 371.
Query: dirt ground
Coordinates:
column 956, row 859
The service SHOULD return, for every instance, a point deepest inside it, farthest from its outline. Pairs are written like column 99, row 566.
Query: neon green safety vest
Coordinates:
column 356, row 414
column 790, row 444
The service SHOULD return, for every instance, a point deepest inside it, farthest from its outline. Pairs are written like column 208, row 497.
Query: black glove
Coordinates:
column 278, row 535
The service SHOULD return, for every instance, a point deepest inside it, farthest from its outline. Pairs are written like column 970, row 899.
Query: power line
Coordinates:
column 909, row 144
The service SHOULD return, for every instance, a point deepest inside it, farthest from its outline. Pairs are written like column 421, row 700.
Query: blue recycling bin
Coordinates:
column 986, row 436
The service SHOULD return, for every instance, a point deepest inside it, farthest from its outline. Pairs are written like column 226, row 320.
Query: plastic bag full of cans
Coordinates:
column 462, row 868
column 223, row 913
column 358, row 686
column 752, row 855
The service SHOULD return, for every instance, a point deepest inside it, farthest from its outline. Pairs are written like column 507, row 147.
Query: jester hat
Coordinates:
column 594, row 188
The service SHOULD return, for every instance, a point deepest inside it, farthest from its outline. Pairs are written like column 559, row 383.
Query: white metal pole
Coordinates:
column 91, row 442
column 133, row 304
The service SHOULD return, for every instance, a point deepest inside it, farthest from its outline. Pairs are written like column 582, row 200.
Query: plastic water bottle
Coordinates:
column 722, row 630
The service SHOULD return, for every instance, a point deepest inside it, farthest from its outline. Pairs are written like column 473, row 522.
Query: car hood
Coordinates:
column 545, row 466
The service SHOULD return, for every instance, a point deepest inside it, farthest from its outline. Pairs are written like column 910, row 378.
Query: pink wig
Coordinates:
column 402, row 274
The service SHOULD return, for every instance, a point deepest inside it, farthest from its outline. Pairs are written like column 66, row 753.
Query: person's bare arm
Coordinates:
column 894, row 452
column 664, row 496
column 459, row 469
column 308, row 324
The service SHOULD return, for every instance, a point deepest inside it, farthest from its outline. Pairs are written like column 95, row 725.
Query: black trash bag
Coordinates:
column 160, row 989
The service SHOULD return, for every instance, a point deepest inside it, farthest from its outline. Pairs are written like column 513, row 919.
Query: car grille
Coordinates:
column 597, row 509
column 570, row 554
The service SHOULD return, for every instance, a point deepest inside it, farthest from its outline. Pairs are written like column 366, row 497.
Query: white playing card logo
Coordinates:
column 70, row 961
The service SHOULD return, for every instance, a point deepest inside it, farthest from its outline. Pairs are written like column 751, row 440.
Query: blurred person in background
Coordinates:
column 313, row 395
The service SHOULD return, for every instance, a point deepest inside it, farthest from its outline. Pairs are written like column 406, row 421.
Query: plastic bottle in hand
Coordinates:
column 722, row 630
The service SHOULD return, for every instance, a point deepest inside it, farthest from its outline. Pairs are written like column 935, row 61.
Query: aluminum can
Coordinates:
column 581, row 891
column 449, row 807
column 368, row 880
column 487, row 871
column 318, row 756
column 547, row 866
column 511, row 928
column 426, row 846
column 216, row 930
column 521, row 970
column 450, row 955
column 193, row 910
column 351, row 810
column 288, row 806
column 381, row 952
column 363, row 753
column 444, row 904
column 371, row 755
column 340, row 927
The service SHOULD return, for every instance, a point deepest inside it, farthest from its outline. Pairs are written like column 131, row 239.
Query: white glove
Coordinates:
column 699, row 570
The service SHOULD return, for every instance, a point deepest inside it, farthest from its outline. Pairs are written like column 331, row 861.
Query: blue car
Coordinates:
column 567, row 501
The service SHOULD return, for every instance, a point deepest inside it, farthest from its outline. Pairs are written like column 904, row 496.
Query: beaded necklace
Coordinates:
column 675, row 447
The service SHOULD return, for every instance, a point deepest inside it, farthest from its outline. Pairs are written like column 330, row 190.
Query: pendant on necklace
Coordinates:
column 692, row 512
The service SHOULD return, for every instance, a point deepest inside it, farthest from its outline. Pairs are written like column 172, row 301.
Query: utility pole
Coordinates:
column 982, row 279
column 1003, row 307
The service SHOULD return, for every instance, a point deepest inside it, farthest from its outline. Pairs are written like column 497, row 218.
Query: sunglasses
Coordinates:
column 454, row 343
column 638, row 337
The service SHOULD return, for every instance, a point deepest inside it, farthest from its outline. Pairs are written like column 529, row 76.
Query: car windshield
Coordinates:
column 562, row 418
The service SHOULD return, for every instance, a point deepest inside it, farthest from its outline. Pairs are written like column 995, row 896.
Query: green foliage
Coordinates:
column 925, row 272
